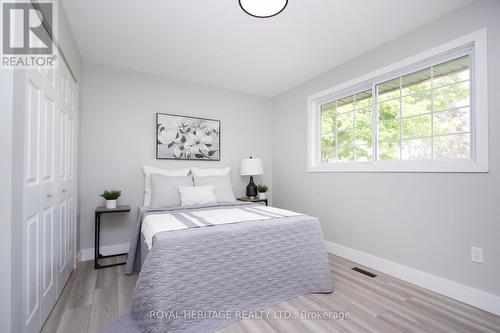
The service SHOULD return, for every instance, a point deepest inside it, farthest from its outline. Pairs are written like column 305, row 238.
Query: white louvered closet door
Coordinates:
column 49, row 186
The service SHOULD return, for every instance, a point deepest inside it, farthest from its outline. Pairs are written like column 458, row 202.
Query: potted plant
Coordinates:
column 262, row 189
column 111, row 197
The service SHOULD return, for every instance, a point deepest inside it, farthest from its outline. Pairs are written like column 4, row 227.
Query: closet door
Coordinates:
column 62, row 119
column 32, row 189
column 66, row 179
column 48, row 193
column 49, row 190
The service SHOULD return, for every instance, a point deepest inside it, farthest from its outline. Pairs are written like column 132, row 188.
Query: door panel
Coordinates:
column 48, row 147
column 69, row 236
column 47, row 250
column 62, row 236
column 63, row 144
column 32, row 133
column 69, row 152
column 32, row 269
column 48, row 282
column 50, row 75
column 48, row 140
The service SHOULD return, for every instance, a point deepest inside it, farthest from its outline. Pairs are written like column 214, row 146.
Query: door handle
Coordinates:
column 49, row 195
column 64, row 191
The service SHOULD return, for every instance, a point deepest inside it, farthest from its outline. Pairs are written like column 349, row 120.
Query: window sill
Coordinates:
column 442, row 167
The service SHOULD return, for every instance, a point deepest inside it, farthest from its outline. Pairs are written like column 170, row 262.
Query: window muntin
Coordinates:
column 421, row 116
column 346, row 128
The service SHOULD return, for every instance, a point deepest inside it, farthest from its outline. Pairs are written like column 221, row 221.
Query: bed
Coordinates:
column 206, row 260
column 202, row 278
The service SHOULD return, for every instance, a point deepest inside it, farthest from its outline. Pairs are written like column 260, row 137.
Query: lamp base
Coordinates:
column 251, row 189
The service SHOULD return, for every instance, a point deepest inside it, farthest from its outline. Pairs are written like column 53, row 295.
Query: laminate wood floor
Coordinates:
column 93, row 298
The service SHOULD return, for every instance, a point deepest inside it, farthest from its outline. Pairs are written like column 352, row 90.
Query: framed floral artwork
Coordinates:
column 187, row 138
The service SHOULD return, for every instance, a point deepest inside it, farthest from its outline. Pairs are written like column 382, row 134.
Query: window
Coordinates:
column 346, row 128
column 425, row 115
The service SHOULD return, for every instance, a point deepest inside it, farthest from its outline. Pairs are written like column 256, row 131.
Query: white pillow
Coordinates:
column 196, row 195
column 222, row 186
column 165, row 190
column 148, row 170
column 197, row 172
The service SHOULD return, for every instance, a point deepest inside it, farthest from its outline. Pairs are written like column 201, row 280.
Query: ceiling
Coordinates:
column 214, row 42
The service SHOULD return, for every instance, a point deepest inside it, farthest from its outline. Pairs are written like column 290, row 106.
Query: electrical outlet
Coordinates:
column 476, row 254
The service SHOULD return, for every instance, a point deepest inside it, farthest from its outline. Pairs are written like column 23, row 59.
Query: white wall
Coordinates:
column 422, row 220
column 118, row 137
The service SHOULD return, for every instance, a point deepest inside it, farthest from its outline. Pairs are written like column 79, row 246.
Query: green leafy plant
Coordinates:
column 111, row 195
column 262, row 188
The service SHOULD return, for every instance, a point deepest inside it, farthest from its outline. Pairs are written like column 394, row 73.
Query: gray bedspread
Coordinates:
column 202, row 279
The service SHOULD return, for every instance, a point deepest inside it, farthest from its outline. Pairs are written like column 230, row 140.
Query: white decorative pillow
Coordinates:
column 148, row 170
column 197, row 172
column 197, row 195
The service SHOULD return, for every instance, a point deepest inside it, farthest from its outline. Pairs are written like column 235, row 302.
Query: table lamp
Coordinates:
column 251, row 167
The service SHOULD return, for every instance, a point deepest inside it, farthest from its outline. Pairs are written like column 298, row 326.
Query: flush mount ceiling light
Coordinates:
column 263, row 8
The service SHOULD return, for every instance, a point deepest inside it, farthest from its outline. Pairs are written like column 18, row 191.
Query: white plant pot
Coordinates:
column 110, row 204
column 262, row 195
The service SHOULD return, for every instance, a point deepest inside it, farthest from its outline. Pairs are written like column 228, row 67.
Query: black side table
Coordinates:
column 97, row 253
column 250, row 199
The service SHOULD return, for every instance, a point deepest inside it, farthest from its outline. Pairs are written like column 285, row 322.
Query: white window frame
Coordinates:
column 476, row 42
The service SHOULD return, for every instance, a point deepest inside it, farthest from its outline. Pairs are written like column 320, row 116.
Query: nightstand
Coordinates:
column 256, row 199
column 97, row 253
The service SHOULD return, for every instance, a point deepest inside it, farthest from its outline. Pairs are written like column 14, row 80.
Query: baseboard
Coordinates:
column 477, row 298
column 88, row 254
